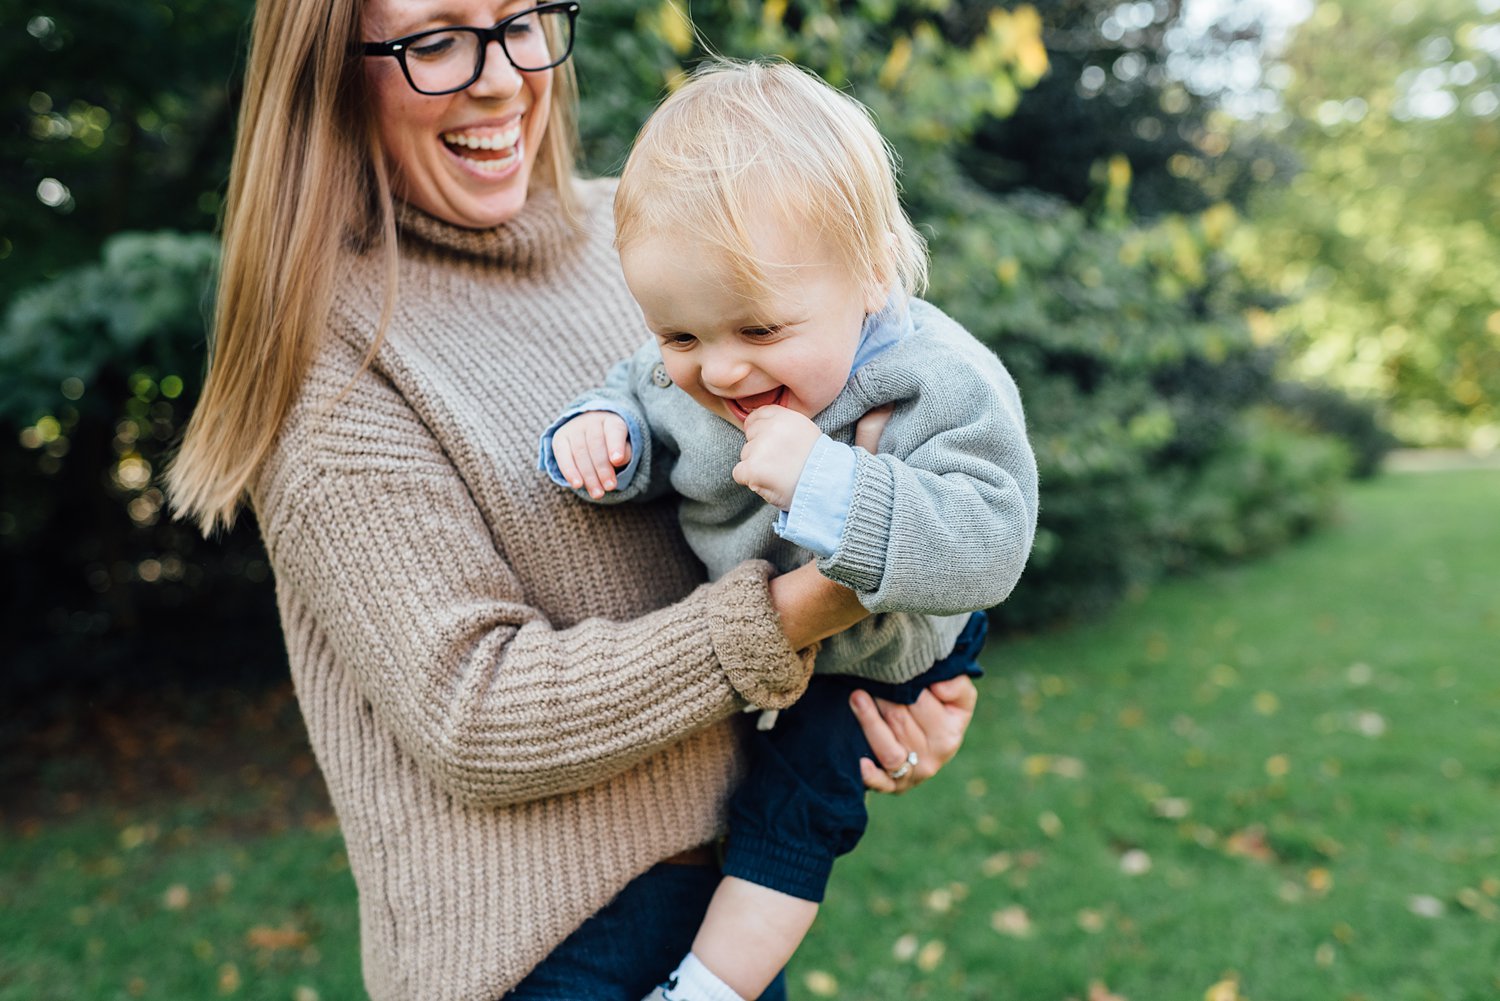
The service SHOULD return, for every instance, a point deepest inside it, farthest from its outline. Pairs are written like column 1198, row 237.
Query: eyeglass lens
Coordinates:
column 446, row 60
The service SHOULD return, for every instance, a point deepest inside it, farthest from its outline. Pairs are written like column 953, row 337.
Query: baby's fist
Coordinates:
column 777, row 444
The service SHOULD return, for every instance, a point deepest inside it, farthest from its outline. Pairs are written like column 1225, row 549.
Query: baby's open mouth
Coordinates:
column 742, row 405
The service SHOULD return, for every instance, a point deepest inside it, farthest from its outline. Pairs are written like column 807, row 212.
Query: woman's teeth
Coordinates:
column 487, row 144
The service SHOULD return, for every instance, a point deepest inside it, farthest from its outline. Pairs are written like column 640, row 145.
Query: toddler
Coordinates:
column 759, row 229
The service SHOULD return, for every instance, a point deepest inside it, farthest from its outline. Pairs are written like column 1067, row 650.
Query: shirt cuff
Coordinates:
column 820, row 504
column 547, row 462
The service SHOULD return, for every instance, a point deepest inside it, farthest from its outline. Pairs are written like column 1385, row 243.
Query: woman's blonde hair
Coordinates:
column 309, row 182
column 743, row 140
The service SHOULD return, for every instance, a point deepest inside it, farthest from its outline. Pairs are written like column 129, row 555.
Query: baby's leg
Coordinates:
column 800, row 805
column 749, row 934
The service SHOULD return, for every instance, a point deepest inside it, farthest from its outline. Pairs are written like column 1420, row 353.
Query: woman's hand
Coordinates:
column 932, row 728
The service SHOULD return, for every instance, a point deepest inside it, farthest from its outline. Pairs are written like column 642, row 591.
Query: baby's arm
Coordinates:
column 941, row 521
column 602, row 447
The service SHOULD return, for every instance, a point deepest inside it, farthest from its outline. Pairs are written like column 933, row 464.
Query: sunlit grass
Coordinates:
column 93, row 909
column 1279, row 779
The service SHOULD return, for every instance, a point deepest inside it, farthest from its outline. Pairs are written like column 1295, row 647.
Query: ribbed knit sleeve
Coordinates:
column 495, row 704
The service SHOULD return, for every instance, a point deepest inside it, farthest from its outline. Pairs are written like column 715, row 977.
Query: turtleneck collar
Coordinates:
column 538, row 237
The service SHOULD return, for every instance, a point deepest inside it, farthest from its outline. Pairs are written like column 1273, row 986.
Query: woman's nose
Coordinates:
column 500, row 79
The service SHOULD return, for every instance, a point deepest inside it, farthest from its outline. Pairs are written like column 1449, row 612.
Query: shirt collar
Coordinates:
column 882, row 330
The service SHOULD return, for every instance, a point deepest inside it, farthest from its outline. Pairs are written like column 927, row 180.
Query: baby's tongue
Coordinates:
column 759, row 399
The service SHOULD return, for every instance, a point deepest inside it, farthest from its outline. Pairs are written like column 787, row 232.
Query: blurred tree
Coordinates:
column 1139, row 80
column 113, row 116
column 1144, row 392
column 1388, row 240
column 98, row 369
column 1146, row 398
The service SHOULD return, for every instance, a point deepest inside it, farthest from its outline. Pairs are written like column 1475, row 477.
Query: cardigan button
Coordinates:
column 660, row 377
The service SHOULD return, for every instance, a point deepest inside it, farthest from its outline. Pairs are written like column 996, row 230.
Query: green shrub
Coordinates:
column 98, row 369
column 1149, row 405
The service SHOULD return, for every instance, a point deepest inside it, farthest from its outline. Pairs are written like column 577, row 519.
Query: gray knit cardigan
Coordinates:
column 941, row 520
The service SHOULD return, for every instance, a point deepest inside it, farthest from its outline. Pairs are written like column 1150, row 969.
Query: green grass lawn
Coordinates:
column 1283, row 776
column 1276, row 782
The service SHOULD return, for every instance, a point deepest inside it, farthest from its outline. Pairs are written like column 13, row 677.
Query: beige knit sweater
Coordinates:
column 519, row 701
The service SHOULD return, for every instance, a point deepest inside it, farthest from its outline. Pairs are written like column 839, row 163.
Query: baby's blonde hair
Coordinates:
column 740, row 141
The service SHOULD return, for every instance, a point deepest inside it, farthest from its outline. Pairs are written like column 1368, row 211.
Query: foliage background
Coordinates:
column 1129, row 247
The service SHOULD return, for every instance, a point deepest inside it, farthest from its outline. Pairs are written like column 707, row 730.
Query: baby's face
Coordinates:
column 732, row 352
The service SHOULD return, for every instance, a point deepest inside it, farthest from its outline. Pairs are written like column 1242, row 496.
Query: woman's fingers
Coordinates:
column 870, row 427
column 932, row 728
column 943, row 713
column 892, row 739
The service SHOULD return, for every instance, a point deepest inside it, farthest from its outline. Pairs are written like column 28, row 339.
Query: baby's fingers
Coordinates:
column 562, row 451
column 598, row 469
column 617, row 438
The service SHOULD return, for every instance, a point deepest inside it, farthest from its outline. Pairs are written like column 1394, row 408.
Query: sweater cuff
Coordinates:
column 746, row 633
column 859, row 562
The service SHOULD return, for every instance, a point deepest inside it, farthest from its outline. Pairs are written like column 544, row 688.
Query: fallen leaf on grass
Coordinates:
column 1091, row 920
column 1098, row 992
column 1250, row 843
column 1012, row 921
column 229, row 978
column 1424, row 906
column 176, row 897
column 1172, row 807
column 930, row 956
column 1135, row 862
column 997, row 863
column 1227, row 989
column 272, row 939
column 821, row 983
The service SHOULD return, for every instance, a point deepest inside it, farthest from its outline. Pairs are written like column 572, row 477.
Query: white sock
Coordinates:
column 692, row 981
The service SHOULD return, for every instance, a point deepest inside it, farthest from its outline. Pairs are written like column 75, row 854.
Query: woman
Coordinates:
column 521, row 705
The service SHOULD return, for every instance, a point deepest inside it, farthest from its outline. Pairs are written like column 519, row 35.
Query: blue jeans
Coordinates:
column 630, row 946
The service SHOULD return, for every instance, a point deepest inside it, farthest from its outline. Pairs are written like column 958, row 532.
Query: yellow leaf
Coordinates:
column 821, row 983
column 673, row 26
column 262, row 937
column 1227, row 989
column 896, row 63
column 930, row 956
column 1012, row 921
column 229, row 978
column 1098, row 992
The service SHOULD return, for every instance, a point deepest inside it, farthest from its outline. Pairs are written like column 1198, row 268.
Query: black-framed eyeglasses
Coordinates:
column 446, row 60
